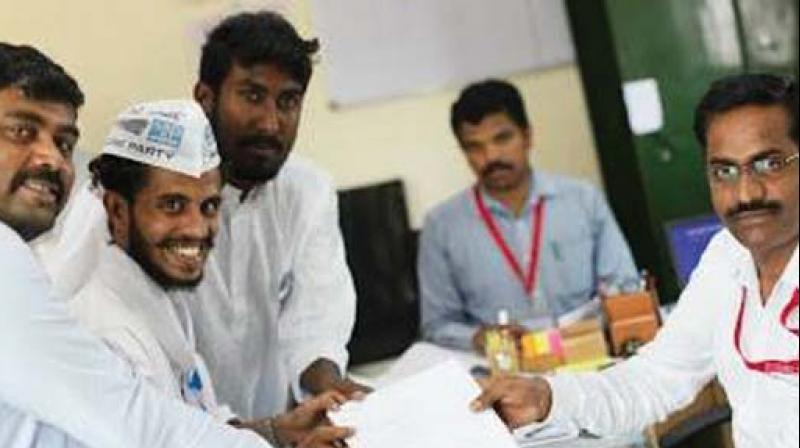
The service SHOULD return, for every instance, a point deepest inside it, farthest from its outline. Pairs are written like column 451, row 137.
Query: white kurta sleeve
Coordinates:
column 55, row 370
column 317, row 319
column 70, row 252
column 665, row 376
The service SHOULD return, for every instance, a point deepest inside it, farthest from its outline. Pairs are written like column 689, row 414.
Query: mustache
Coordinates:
column 495, row 166
column 754, row 206
column 43, row 174
column 261, row 140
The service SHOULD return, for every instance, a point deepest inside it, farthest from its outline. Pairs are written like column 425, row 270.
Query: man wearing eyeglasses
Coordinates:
column 737, row 320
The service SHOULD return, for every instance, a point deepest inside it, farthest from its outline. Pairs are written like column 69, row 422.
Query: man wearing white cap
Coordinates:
column 161, row 192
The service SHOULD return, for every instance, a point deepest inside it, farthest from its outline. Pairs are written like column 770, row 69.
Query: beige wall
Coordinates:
column 127, row 51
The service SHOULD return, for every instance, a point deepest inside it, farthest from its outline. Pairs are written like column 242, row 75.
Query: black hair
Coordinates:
column 745, row 90
column 123, row 176
column 253, row 38
column 38, row 76
column 485, row 98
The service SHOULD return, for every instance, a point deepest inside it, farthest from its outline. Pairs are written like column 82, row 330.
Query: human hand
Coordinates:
column 323, row 375
column 479, row 338
column 351, row 389
column 326, row 437
column 308, row 424
column 519, row 401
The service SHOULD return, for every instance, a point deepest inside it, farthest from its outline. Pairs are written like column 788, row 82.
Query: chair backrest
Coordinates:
column 381, row 254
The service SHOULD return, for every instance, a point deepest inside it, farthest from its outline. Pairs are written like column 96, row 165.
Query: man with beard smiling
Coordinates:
column 276, row 306
column 525, row 241
column 161, row 191
column 162, row 207
column 737, row 319
column 60, row 387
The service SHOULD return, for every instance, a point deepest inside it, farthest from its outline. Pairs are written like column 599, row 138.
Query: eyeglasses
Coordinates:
column 763, row 167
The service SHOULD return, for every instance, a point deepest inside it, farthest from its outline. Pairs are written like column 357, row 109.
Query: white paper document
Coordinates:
column 423, row 356
column 429, row 409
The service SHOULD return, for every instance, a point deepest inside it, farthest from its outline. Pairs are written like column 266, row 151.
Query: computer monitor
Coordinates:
column 688, row 239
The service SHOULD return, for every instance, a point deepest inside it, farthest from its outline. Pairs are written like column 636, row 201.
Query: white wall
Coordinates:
column 128, row 51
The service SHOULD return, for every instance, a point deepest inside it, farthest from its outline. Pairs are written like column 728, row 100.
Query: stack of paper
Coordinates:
column 429, row 409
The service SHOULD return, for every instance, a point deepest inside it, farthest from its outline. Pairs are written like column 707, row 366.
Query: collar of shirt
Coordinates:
column 541, row 187
column 166, row 315
column 746, row 274
column 232, row 195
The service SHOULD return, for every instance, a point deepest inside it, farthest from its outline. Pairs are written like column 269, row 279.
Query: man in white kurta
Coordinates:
column 698, row 343
column 59, row 386
column 149, row 329
column 737, row 319
column 276, row 284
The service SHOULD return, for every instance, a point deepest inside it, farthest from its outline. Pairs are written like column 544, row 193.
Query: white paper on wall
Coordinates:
column 643, row 101
column 381, row 49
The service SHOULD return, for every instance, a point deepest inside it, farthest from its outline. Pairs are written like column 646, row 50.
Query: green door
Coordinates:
column 683, row 45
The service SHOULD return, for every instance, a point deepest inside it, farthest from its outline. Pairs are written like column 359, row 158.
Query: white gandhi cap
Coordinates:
column 171, row 134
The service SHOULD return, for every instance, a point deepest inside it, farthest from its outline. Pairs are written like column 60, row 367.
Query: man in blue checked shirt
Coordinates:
column 535, row 244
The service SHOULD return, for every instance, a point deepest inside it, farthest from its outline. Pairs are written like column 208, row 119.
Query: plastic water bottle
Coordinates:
column 501, row 346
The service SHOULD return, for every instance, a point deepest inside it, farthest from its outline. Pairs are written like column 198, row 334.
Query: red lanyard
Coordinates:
column 793, row 304
column 528, row 280
column 768, row 366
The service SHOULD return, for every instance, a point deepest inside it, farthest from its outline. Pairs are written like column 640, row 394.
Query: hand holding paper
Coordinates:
column 520, row 401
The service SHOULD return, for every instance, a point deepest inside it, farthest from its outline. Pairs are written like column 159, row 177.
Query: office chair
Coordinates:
column 381, row 254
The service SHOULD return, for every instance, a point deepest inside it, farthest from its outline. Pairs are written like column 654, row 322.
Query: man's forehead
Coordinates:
column 162, row 180
column 749, row 129
column 492, row 123
column 14, row 102
column 262, row 74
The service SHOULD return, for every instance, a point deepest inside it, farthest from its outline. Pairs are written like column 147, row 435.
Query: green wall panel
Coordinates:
column 684, row 45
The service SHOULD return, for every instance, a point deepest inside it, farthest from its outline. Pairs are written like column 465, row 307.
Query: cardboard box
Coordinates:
column 641, row 329
column 631, row 318
column 626, row 306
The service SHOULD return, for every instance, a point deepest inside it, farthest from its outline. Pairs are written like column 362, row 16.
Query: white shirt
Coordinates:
column 276, row 295
column 696, row 344
column 54, row 374
column 149, row 329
